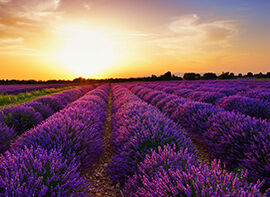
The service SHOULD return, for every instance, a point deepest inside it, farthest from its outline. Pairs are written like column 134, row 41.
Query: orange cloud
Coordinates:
column 188, row 34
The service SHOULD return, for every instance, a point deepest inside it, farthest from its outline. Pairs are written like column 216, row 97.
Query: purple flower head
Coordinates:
column 38, row 172
column 241, row 141
column 193, row 116
column 21, row 118
column 74, row 139
column 156, row 99
column 6, row 135
column 139, row 128
column 43, row 109
column 168, row 172
column 249, row 106
column 52, row 101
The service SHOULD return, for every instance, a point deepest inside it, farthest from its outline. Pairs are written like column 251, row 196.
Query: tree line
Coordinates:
column 224, row 75
column 165, row 77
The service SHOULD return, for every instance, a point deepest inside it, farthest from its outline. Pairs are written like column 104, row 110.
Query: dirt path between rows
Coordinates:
column 98, row 178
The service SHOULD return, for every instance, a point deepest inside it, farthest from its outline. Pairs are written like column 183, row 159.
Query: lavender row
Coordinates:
column 251, row 89
column 223, row 84
column 50, row 159
column 138, row 128
column 154, row 157
column 15, row 120
column 250, row 106
column 237, row 140
column 16, row 89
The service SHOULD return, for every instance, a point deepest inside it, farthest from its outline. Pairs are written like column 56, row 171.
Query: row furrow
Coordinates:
column 52, row 158
column 16, row 120
column 154, row 157
column 252, row 103
column 237, row 140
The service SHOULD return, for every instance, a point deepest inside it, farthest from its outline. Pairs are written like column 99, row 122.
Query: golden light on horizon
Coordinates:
column 85, row 52
column 57, row 39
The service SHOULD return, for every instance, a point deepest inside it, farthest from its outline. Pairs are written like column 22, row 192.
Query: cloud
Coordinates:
column 10, row 41
column 87, row 6
column 12, row 46
column 30, row 19
column 29, row 9
column 188, row 33
column 185, row 25
column 4, row 1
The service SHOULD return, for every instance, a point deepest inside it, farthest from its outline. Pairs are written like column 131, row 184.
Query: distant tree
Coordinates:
column 240, row 75
column 268, row 74
column 260, row 75
column 249, row 74
column 231, row 76
column 191, row 76
column 224, row 75
column 154, row 77
column 210, row 76
column 176, row 77
column 166, row 76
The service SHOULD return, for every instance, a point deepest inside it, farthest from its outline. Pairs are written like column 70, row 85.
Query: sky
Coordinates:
column 64, row 39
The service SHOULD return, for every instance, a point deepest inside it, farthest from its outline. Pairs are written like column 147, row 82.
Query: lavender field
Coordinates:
column 16, row 89
column 167, row 138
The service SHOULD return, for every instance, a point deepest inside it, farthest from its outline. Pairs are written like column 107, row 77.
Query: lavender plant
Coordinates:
column 168, row 172
column 38, row 172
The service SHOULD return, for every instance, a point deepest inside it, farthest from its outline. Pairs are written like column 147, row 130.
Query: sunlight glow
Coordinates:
column 86, row 53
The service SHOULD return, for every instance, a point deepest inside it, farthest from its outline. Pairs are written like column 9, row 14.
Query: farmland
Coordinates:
column 9, row 99
column 167, row 138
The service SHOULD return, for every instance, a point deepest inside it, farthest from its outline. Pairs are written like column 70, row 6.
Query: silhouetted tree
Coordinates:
column 231, row 76
column 154, row 77
column 210, row 76
column 260, row 75
column 249, row 74
column 166, row 76
column 176, row 77
column 224, row 75
column 191, row 76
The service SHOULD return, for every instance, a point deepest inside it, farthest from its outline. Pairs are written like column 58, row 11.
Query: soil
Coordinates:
column 201, row 151
column 99, row 180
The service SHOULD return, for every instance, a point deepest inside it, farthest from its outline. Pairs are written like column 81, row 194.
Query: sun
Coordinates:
column 86, row 53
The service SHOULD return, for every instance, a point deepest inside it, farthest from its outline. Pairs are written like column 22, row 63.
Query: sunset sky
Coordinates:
column 64, row 39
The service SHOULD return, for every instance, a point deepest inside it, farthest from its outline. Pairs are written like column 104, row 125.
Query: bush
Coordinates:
column 138, row 128
column 37, row 172
column 156, row 99
column 168, row 172
column 43, row 109
column 193, row 116
column 21, row 118
column 54, row 103
column 249, row 106
column 6, row 135
column 72, row 137
column 240, row 141
column 261, row 94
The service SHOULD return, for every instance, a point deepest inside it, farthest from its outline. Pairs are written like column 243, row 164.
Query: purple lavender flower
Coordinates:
column 193, row 116
column 52, row 101
column 249, row 106
column 38, row 172
column 43, row 109
column 138, row 129
column 241, row 141
column 21, row 118
column 168, row 172
column 6, row 135
column 75, row 131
